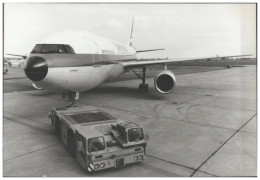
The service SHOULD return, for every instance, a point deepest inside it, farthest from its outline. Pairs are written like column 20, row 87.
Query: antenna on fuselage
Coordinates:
column 131, row 34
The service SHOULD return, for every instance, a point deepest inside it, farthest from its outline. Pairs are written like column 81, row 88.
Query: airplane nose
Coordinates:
column 36, row 68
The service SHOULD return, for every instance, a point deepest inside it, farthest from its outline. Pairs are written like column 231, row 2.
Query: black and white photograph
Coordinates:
column 129, row 89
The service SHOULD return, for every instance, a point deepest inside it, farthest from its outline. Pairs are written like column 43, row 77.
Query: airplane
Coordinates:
column 73, row 62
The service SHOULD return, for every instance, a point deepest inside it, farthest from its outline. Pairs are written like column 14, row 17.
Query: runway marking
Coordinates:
column 23, row 117
column 24, row 124
column 159, row 170
column 178, row 164
column 221, row 146
column 208, row 173
column 32, row 152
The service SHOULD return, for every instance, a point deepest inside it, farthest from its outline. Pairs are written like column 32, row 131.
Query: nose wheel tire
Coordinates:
column 143, row 87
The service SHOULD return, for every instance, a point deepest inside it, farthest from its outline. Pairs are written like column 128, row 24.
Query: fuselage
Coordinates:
column 76, row 62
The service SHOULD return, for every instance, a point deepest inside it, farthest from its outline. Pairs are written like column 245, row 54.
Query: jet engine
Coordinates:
column 165, row 82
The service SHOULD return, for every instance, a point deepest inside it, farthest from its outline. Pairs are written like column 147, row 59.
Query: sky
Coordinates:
column 184, row 30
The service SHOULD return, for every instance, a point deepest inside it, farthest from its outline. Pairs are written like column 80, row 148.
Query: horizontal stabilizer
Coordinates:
column 149, row 50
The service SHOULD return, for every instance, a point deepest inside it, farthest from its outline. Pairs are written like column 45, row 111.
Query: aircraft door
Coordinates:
column 94, row 50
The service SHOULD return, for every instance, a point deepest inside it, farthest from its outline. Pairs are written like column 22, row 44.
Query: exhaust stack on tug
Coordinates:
column 96, row 139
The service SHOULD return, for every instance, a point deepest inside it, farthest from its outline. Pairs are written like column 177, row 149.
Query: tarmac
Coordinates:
column 206, row 127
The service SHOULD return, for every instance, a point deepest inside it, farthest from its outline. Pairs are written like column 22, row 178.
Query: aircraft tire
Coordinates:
column 140, row 87
column 146, row 87
column 143, row 88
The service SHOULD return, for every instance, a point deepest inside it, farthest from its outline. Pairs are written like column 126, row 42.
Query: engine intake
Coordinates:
column 165, row 82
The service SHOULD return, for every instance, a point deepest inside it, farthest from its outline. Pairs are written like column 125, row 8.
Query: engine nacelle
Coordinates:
column 36, row 87
column 165, row 82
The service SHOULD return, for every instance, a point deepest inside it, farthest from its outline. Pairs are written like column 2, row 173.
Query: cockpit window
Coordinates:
column 50, row 48
column 37, row 48
column 61, row 49
column 53, row 48
column 69, row 49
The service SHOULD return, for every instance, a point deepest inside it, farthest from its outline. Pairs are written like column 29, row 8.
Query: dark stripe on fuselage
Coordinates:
column 78, row 60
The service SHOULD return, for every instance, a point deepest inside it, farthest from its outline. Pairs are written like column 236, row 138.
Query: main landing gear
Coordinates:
column 142, row 87
column 72, row 96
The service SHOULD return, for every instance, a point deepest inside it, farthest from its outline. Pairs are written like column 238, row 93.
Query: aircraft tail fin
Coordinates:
column 131, row 34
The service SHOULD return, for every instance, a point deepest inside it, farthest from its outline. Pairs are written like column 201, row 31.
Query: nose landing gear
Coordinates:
column 72, row 96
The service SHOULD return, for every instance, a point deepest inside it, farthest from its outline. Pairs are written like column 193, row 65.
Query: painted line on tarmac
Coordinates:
column 24, row 118
column 169, row 162
column 177, row 164
column 207, row 173
column 221, row 146
column 27, row 125
column 32, row 152
column 159, row 170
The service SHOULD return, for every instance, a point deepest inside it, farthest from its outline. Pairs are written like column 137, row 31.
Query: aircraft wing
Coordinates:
column 23, row 56
column 149, row 62
column 146, row 50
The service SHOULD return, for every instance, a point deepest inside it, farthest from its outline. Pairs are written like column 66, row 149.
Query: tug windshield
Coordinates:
column 96, row 144
column 135, row 134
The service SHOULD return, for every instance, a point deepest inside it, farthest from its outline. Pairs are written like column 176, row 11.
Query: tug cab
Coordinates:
column 96, row 139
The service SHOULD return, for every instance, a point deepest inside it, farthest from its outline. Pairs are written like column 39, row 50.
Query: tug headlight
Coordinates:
column 96, row 166
column 141, row 157
column 102, row 165
column 136, row 158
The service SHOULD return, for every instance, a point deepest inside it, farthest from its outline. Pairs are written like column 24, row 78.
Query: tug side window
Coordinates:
column 82, row 147
column 122, row 133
